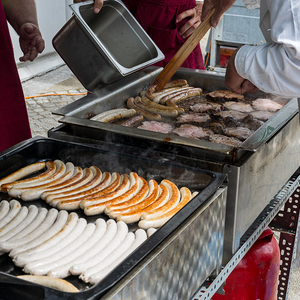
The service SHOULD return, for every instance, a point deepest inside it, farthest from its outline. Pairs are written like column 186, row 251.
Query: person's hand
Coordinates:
column 97, row 5
column 220, row 6
column 195, row 19
column 31, row 41
column 235, row 82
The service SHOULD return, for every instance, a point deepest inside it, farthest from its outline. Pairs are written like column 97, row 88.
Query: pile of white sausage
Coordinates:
column 58, row 244
column 129, row 198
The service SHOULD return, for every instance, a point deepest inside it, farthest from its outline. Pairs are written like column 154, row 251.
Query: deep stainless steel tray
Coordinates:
column 176, row 237
column 102, row 48
column 115, row 95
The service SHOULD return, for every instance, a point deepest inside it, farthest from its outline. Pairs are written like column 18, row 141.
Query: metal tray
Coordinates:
column 78, row 114
column 202, row 212
column 102, row 48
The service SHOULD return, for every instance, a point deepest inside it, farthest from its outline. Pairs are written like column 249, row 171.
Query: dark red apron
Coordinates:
column 158, row 18
column 14, row 124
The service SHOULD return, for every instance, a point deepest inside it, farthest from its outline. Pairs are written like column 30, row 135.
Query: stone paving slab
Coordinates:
column 58, row 81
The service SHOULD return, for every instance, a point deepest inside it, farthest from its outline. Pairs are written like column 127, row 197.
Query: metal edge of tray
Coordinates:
column 123, row 70
column 198, row 202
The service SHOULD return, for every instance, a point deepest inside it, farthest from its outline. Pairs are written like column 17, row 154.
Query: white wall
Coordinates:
column 52, row 15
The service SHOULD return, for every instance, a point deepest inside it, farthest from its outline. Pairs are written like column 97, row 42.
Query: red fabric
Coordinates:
column 14, row 124
column 158, row 18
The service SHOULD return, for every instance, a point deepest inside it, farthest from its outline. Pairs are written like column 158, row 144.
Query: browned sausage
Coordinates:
column 148, row 115
column 171, row 83
column 133, row 121
column 183, row 96
column 151, row 106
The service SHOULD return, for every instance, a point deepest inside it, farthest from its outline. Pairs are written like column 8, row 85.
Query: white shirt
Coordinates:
column 274, row 67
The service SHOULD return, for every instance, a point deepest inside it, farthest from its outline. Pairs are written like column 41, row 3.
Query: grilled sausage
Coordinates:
column 73, row 201
column 33, row 193
column 148, row 115
column 77, row 175
column 54, row 283
column 18, row 189
column 172, row 83
column 51, row 167
column 153, row 107
column 122, row 188
column 87, row 177
column 133, row 213
column 133, row 121
column 114, row 198
column 183, row 96
column 172, row 202
column 114, row 114
column 26, row 171
column 162, row 219
column 142, row 193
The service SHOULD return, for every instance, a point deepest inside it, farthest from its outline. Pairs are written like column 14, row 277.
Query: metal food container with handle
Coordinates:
column 103, row 48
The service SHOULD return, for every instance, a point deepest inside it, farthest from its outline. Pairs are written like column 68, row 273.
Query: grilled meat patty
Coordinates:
column 192, row 131
column 266, row 105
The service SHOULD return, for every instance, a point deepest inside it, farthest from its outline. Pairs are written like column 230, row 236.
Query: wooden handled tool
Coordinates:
column 182, row 54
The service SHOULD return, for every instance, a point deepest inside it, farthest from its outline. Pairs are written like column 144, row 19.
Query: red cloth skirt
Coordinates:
column 14, row 124
column 158, row 18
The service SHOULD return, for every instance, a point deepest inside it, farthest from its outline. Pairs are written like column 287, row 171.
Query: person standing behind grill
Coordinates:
column 273, row 67
column 168, row 23
column 21, row 14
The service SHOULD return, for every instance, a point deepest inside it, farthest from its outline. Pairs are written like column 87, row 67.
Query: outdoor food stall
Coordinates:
column 186, row 178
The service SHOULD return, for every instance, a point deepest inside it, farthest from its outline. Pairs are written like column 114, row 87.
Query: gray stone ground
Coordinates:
column 61, row 80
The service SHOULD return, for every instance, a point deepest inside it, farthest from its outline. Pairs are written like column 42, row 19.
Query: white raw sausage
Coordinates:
column 81, row 263
column 4, row 208
column 52, row 224
column 140, row 237
column 92, row 275
column 32, row 253
column 15, row 221
column 100, row 256
column 22, row 237
column 79, row 252
column 37, row 266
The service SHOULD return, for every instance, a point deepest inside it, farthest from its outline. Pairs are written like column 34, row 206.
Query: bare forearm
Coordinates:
column 19, row 12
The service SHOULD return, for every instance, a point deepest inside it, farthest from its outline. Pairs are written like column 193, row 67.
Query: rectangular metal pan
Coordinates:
column 78, row 113
column 102, row 48
column 201, row 212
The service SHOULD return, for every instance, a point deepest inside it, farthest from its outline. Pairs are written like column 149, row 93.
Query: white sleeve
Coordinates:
column 275, row 67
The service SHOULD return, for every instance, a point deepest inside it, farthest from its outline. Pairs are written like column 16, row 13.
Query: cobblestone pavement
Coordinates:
column 62, row 80
column 58, row 81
